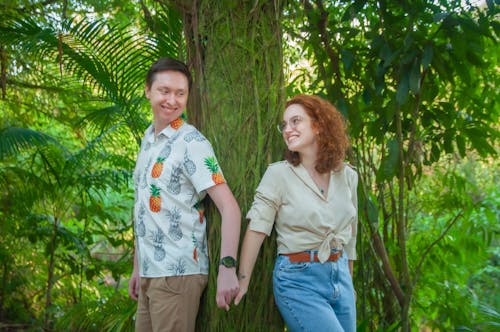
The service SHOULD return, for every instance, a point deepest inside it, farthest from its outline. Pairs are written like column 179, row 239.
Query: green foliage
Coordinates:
column 69, row 138
column 454, row 289
column 417, row 82
column 14, row 140
column 111, row 314
column 47, row 211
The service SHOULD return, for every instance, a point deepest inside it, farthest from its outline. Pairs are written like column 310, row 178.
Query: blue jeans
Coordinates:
column 315, row 297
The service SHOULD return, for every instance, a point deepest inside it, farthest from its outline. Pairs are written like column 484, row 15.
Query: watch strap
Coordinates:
column 228, row 261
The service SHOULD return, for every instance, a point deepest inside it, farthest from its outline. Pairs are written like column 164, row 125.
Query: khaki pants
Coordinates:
column 169, row 303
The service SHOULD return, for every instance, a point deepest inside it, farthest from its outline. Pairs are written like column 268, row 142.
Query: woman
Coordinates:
column 311, row 200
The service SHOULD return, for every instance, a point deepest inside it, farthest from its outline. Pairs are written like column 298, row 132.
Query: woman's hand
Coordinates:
column 243, row 290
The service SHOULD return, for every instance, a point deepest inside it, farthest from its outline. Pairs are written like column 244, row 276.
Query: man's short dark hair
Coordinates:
column 164, row 64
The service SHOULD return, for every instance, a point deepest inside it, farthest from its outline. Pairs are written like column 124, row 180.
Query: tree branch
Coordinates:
column 332, row 53
column 381, row 251
column 386, row 266
column 436, row 241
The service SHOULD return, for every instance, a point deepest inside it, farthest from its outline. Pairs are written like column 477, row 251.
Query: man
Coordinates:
column 176, row 168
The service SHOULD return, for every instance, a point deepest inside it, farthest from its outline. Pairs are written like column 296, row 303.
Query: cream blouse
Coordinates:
column 305, row 219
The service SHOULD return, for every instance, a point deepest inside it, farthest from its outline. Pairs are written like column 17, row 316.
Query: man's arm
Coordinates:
column 227, row 281
column 133, row 284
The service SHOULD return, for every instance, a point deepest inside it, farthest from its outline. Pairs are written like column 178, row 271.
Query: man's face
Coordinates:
column 168, row 96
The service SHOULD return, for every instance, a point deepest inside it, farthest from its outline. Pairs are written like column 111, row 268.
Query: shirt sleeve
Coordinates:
column 350, row 247
column 266, row 203
column 201, row 165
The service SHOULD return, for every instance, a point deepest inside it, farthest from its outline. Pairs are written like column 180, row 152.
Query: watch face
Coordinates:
column 228, row 261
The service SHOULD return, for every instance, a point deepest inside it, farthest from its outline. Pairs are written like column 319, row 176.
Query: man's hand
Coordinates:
column 133, row 285
column 227, row 287
column 227, row 282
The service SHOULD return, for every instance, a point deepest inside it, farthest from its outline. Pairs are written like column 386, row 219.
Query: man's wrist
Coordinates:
column 228, row 261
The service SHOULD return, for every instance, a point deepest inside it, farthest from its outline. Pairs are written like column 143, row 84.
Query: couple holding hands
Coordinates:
column 309, row 198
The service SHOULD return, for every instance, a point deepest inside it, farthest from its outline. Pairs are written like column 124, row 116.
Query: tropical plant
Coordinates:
column 416, row 80
column 455, row 191
column 416, row 83
column 60, row 184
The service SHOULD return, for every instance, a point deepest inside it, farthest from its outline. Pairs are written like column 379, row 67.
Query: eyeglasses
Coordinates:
column 293, row 123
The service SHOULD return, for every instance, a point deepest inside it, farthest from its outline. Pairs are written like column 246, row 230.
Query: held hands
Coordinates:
column 227, row 287
column 243, row 290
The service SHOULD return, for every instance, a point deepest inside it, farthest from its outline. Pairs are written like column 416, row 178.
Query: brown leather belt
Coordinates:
column 305, row 256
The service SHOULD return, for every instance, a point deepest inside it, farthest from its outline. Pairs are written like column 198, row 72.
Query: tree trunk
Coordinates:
column 50, row 278
column 234, row 49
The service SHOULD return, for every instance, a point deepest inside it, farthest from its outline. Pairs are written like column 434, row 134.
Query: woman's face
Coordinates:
column 297, row 129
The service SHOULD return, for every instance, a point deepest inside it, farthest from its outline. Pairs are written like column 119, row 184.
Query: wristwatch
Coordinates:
column 228, row 262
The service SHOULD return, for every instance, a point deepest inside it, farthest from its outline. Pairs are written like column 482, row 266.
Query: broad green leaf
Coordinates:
column 390, row 162
column 427, row 56
column 342, row 106
column 448, row 138
column 408, row 42
column 435, row 152
column 403, row 87
column 386, row 54
column 379, row 78
column 480, row 142
column 367, row 98
column 348, row 13
column 347, row 59
column 372, row 210
column 415, row 77
column 440, row 16
column 460, row 141
column 354, row 118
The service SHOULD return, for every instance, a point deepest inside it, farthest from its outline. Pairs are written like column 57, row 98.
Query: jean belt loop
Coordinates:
column 311, row 255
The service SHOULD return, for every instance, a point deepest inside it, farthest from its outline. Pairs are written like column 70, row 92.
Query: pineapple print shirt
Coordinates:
column 173, row 172
column 305, row 219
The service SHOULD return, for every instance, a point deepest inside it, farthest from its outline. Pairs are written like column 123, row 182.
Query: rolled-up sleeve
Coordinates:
column 350, row 247
column 265, row 205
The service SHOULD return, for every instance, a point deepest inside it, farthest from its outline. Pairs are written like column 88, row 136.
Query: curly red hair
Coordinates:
column 332, row 138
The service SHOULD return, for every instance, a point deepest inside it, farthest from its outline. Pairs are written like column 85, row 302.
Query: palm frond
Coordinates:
column 491, row 316
column 132, row 115
column 167, row 28
column 111, row 314
column 13, row 140
column 92, row 154
column 111, row 60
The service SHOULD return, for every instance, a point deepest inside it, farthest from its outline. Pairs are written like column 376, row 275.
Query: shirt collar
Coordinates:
column 167, row 132
column 302, row 174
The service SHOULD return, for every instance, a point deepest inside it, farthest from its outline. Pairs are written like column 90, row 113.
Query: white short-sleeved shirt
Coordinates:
column 305, row 219
column 172, row 173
